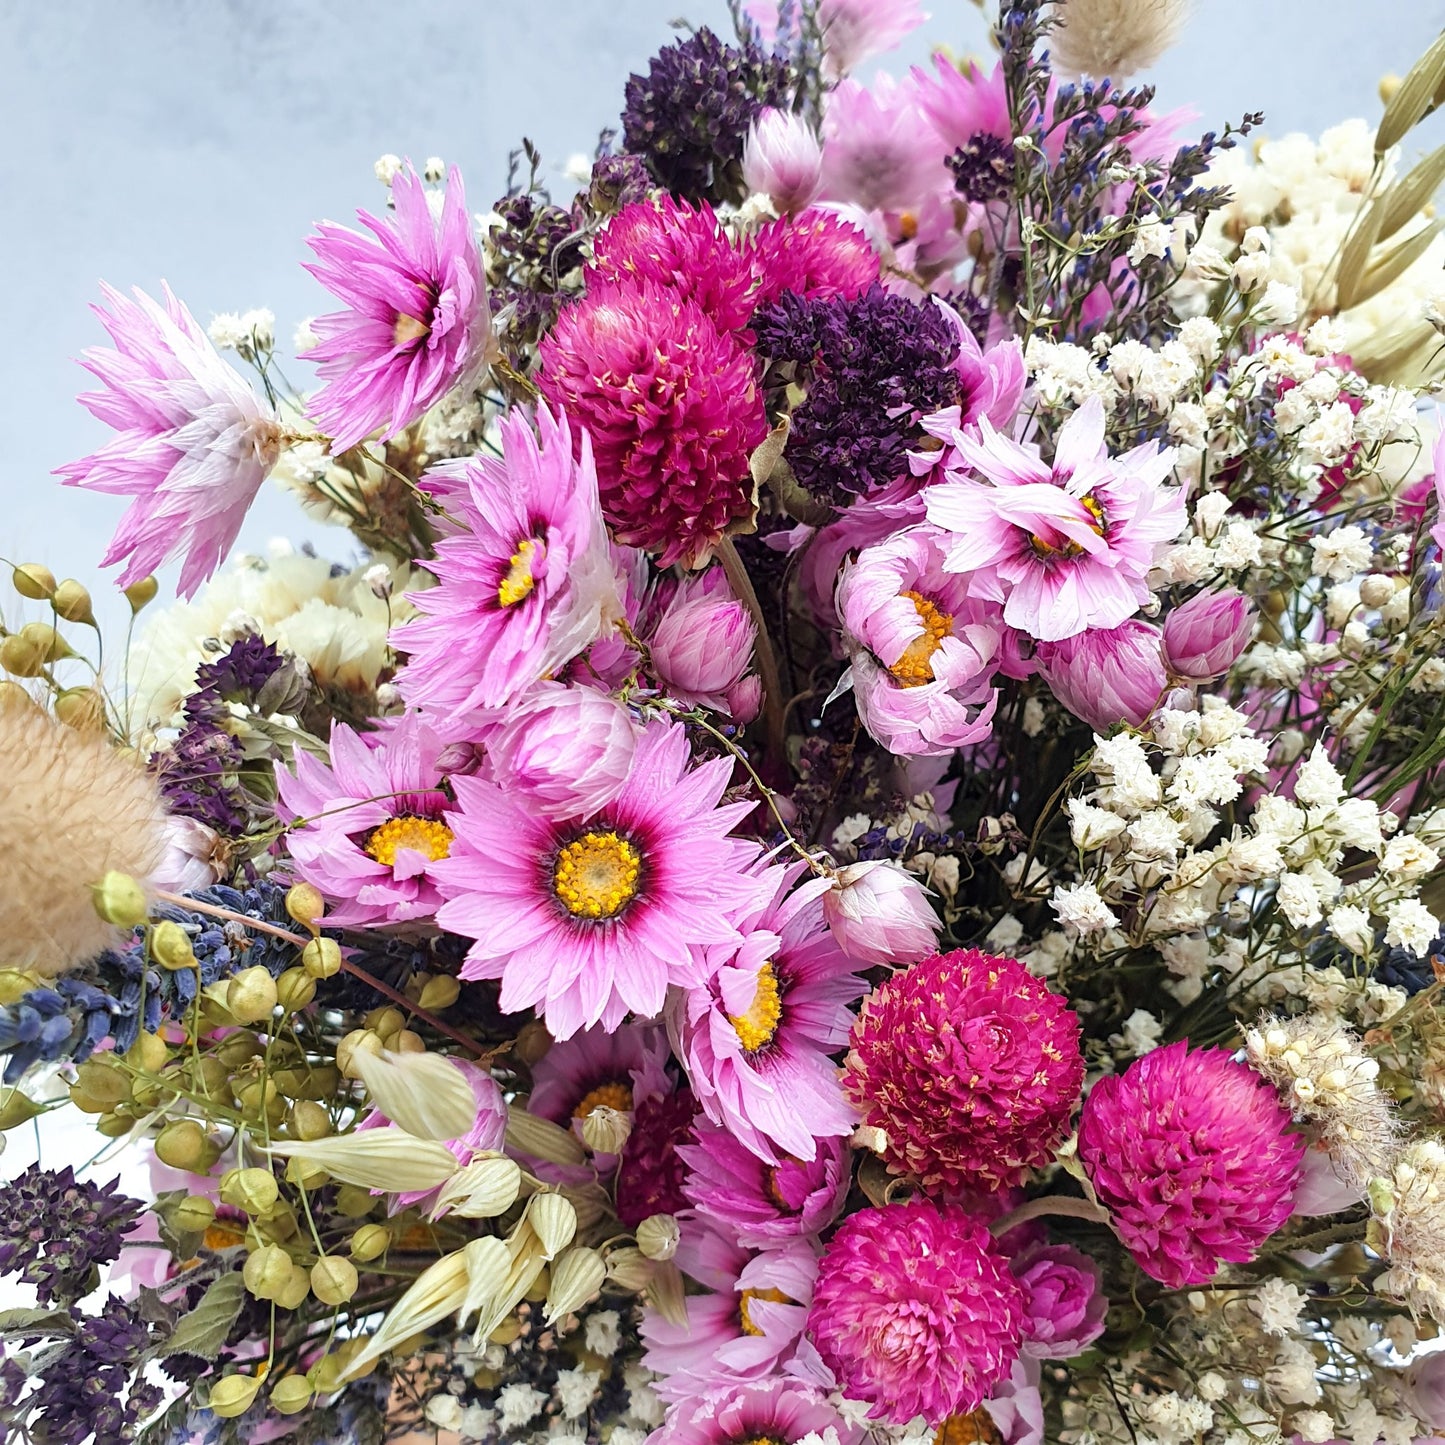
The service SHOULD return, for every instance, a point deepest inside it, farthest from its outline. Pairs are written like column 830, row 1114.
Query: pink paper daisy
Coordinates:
column 1194, row 1158
column 778, row 1410
column 616, row 1070
column 756, row 1036
column 587, row 917
column 880, row 150
column 195, row 441
column 764, row 1204
column 369, row 829
column 525, row 587
column 1063, row 546
column 672, row 405
column 418, row 323
column 921, row 655
column 916, row 1312
column 750, row 1325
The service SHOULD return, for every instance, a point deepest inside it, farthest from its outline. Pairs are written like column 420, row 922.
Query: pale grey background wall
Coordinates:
column 196, row 140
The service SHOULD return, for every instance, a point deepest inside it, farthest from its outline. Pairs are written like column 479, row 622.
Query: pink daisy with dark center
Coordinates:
column 1193, row 1157
column 970, row 1066
column 916, row 1312
column 671, row 403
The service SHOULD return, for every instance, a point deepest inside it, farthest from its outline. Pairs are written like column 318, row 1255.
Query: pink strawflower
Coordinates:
column 818, row 254
column 756, row 1035
column 194, row 445
column 783, row 160
column 589, row 917
column 962, row 103
column 1193, row 1156
column 1064, row 1308
column 764, row 1204
column 1204, row 636
column 971, row 1067
column 702, row 644
column 673, row 409
column 485, row 1136
column 1063, row 546
column 567, row 749
column 682, row 248
column 1016, row 1408
column 916, row 1312
column 921, row 657
column 417, row 323
column 597, row 1068
column 880, row 150
column 650, row 1174
column 750, row 1325
column 857, row 30
column 880, row 914
column 369, row 829
column 526, row 586
column 778, row 1409
column 1107, row 675
column 990, row 387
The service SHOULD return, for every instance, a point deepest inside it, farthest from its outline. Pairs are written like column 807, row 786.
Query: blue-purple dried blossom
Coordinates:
column 871, row 368
column 62, row 1021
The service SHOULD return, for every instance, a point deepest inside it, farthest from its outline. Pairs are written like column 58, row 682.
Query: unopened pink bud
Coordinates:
column 745, row 699
column 703, row 643
column 1107, row 675
column 783, row 160
column 880, row 914
column 1204, row 636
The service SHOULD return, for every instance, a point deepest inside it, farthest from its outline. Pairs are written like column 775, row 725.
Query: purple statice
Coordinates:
column 983, row 168
column 872, row 366
column 62, row 1021
column 243, row 670
column 55, row 1229
column 689, row 116
column 618, row 181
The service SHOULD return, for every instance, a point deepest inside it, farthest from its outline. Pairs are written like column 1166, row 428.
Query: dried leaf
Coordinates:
column 1413, row 99
column 874, row 1180
column 35, row 1321
column 204, row 1330
column 1411, row 194
column 665, row 1293
column 1391, row 265
column 1355, row 254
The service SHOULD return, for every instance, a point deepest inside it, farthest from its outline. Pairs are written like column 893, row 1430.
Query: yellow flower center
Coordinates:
column 976, row 1428
column 519, row 580
column 757, row 1027
column 422, row 835
column 615, row 1095
column 775, row 1295
column 220, row 1235
column 1064, row 547
column 408, row 329
column 761, row 1440
column 596, row 876
column 915, row 667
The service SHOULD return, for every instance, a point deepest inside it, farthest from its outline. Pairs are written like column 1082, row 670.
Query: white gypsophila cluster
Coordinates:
column 1408, row 1227
column 327, row 615
column 246, row 334
column 1305, row 195
column 1329, row 1083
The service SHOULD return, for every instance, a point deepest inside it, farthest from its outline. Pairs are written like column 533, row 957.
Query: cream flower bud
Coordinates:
column 251, row 995
column 485, row 1188
column 389, row 1159
column 657, row 1236
column 530, row 1134
column 577, row 1275
column 233, row 1395
column 629, row 1268
column 554, row 1220
column 605, row 1131
column 426, row 1094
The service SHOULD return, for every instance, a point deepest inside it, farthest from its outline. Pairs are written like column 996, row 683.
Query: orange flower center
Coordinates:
column 408, row 329
column 775, row 1295
column 915, row 667
column 1063, row 547
column 427, row 836
column 975, row 1428
column 614, row 1095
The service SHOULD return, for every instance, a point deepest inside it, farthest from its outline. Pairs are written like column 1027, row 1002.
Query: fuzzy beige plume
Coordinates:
column 1114, row 38
column 72, row 808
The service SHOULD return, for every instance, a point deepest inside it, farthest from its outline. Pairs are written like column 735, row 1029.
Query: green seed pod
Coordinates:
column 305, row 904
column 234, row 1395
column 308, row 1121
column 193, row 1214
column 251, row 995
column 72, row 602
column 305, row 1175
column 291, row 1394
column 238, row 1049
column 357, row 1041
column 103, row 1082
column 321, row 958
column 385, row 1022
column 20, row 656
column 333, row 1280
column 119, row 899
column 81, row 709
column 18, row 1108
column 370, row 1242
column 208, row 1077
column 149, row 1052
column 183, row 1145
column 295, row 990
column 170, row 946
column 354, row 1202
column 439, row 993
column 33, row 580
column 253, row 1190
column 266, row 1270
column 115, row 1126
column 52, row 646
column 292, row 1294
column 141, row 593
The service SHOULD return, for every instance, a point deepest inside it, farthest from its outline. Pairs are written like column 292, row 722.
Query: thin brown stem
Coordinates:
column 1060, row 1204
column 742, row 586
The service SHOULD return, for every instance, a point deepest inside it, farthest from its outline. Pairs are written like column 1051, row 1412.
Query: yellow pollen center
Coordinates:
column 908, row 225
column 219, row 1235
column 1066, row 548
column 761, row 1440
column 407, row 329
column 775, row 1295
column 757, row 1027
column 915, row 667
column 615, row 1095
column 976, row 1428
column 519, row 579
column 421, row 835
column 596, row 876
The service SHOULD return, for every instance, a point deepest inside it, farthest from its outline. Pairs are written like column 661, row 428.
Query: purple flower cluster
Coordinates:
column 872, row 367
column 65, row 1019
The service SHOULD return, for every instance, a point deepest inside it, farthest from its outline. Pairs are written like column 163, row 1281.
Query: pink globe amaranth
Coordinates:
column 970, row 1066
column 1204, row 636
column 673, row 410
column 783, row 160
column 1107, row 676
column 916, row 1312
column 818, row 254
column 1063, row 1307
column 649, row 1178
column 703, row 643
column 567, row 750
column 879, row 914
column 1193, row 1156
